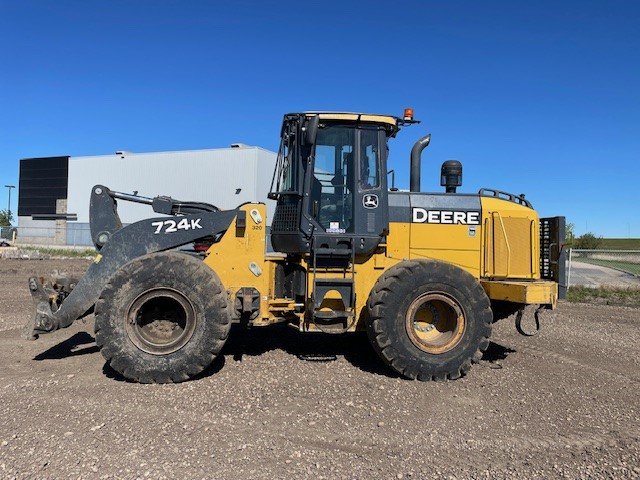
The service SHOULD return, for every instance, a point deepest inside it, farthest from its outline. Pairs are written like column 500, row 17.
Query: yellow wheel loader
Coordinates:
column 425, row 274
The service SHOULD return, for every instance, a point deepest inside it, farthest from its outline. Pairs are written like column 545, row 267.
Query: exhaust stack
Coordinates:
column 416, row 154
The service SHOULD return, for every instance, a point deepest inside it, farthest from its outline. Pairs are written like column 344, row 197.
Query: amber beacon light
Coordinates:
column 408, row 114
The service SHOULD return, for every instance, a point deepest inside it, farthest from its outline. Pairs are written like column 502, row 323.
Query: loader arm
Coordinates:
column 117, row 246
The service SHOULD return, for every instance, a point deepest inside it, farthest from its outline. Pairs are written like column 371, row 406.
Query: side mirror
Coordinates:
column 311, row 130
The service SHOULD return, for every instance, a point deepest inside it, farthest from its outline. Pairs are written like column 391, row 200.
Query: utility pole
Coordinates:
column 10, row 187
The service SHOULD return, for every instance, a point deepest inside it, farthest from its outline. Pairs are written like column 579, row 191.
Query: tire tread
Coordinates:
column 383, row 300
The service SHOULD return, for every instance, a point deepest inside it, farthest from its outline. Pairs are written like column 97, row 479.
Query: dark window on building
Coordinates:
column 42, row 182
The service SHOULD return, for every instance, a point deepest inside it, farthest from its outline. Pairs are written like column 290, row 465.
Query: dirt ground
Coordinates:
column 279, row 404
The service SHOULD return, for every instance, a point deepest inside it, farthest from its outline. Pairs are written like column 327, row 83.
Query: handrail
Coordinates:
column 492, row 192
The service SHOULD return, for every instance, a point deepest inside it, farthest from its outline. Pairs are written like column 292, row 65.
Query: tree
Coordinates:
column 6, row 217
column 569, row 235
column 588, row 241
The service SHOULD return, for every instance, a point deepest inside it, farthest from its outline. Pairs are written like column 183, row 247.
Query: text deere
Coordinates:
column 422, row 215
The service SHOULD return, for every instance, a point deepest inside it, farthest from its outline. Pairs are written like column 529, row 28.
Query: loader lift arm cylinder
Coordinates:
column 104, row 213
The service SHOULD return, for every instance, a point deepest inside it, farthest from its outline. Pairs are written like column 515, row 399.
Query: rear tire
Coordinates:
column 162, row 318
column 429, row 320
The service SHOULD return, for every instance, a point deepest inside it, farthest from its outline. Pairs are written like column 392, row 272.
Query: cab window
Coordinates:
column 331, row 190
column 369, row 158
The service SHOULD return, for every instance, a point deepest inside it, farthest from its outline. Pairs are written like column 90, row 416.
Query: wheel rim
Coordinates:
column 435, row 322
column 160, row 321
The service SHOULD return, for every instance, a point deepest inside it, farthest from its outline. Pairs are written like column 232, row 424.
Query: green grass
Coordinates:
column 628, row 267
column 604, row 295
column 620, row 244
column 62, row 252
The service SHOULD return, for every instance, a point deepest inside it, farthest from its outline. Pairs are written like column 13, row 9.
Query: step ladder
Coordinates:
column 337, row 266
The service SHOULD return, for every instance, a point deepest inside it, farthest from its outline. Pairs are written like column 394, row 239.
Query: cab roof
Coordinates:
column 391, row 123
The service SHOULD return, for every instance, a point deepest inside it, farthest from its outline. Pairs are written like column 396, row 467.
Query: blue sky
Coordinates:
column 541, row 98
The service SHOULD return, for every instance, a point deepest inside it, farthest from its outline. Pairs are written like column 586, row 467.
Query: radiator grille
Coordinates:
column 547, row 268
column 551, row 240
column 552, row 253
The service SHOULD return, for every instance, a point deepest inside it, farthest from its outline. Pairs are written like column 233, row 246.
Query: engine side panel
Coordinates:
column 488, row 237
column 511, row 240
column 438, row 226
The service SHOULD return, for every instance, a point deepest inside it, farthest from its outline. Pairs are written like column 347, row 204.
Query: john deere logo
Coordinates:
column 370, row 201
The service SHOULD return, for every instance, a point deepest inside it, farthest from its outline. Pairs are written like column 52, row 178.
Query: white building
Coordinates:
column 225, row 177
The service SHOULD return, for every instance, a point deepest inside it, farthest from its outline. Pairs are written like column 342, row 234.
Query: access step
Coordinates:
column 344, row 286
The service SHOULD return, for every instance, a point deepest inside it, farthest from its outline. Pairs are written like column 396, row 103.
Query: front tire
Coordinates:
column 429, row 320
column 162, row 318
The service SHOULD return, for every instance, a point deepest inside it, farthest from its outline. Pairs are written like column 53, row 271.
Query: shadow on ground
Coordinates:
column 496, row 352
column 69, row 348
column 311, row 347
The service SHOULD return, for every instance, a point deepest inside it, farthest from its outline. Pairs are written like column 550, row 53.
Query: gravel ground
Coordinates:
column 279, row 404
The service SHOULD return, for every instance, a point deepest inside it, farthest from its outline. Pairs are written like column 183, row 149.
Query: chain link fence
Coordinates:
column 604, row 268
column 7, row 233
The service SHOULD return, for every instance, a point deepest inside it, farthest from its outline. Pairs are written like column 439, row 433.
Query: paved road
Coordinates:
column 587, row 275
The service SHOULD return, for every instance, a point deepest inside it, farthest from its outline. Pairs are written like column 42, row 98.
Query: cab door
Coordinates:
column 331, row 188
column 371, row 203
column 347, row 189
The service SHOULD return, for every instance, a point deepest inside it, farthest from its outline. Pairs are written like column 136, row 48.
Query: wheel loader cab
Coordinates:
column 330, row 182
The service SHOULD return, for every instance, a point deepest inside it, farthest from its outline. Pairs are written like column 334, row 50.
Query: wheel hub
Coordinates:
column 160, row 321
column 162, row 328
column 435, row 322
